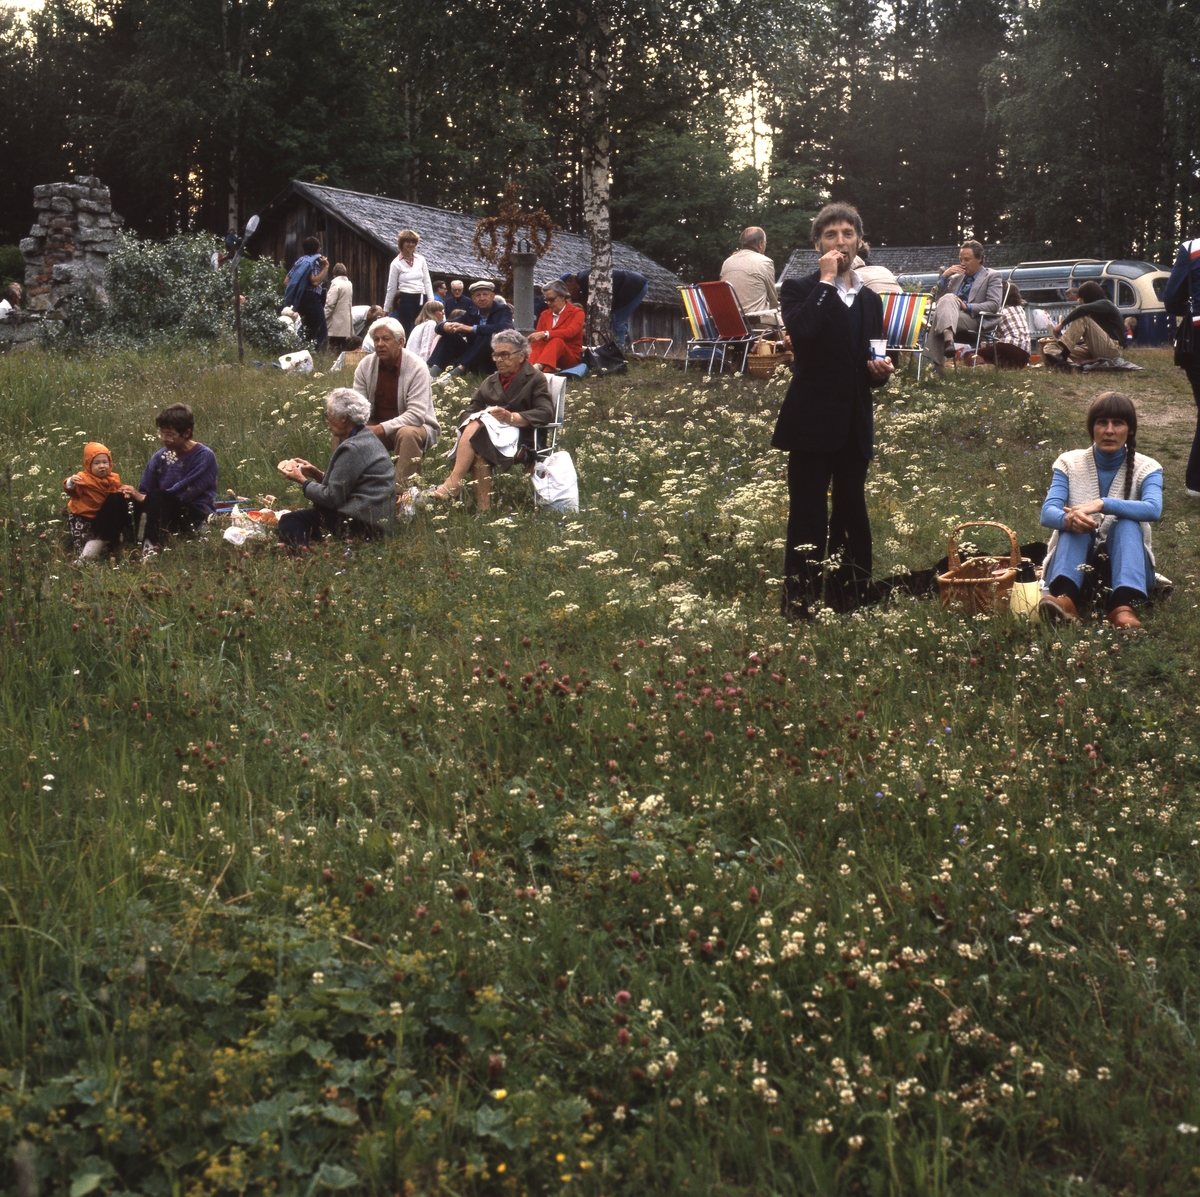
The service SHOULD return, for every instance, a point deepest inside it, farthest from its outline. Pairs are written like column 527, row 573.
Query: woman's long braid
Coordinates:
column 1130, row 453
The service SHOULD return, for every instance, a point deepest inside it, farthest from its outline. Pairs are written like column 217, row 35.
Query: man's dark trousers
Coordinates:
column 845, row 531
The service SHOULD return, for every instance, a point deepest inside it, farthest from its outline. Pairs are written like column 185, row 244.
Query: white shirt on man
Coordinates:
column 846, row 291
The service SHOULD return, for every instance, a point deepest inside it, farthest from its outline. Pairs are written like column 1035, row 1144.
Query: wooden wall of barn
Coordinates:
column 367, row 266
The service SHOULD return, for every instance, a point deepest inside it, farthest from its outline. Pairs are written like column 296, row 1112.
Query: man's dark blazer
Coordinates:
column 830, row 387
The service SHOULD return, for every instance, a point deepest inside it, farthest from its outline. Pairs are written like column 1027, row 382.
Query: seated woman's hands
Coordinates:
column 1079, row 519
column 299, row 470
column 131, row 492
column 506, row 417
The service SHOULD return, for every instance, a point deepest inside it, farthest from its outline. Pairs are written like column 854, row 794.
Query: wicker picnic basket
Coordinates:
column 979, row 584
column 764, row 365
column 353, row 357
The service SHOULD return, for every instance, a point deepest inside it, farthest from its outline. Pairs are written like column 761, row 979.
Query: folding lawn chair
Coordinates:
column 717, row 321
column 904, row 324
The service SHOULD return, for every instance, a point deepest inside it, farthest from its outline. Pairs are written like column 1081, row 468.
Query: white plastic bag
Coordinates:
column 299, row 362
column 555, row 483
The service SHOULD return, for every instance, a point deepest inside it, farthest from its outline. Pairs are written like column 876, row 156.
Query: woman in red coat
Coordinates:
column 558, row 342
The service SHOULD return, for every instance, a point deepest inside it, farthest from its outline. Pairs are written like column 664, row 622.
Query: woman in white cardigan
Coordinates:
column 409, row 285
column 424, row 334
column 339, row 315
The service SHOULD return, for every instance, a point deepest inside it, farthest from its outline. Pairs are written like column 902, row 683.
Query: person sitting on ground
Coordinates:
column 558, row 342
column 441, row 291
column 424, row 334
column 466, row 343
column 11, row 301
column 629, row 288
column 339, row 315
column 1010, row 350
column 456, row 299
column 356, row 494
column 876, row 278
column 751, row 274
column 497, row 429
column 396, row 385
column 177, row 492
column 967, row 294
column 88, row 490
column 1102, row 498
column 409, row 285
column 1088, row 333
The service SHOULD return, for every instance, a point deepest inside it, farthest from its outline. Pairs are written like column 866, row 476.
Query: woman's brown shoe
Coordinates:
column 1058, row 608
column 446, row 494
column 1123, row 619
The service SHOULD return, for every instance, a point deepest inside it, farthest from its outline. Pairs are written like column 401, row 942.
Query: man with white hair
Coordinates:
column 397, row 386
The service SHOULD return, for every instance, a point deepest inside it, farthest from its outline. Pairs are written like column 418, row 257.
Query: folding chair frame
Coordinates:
column 709, row 306
column 979, row 335
column 558, row 391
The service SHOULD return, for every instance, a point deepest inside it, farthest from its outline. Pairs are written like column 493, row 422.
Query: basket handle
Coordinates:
column 1015, row 553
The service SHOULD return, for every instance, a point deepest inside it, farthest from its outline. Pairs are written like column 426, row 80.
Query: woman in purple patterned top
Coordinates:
column 177, row 491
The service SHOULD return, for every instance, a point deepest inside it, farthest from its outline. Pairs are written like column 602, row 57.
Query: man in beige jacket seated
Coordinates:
column 398, row 388
column 878, row 278
column 751, row 274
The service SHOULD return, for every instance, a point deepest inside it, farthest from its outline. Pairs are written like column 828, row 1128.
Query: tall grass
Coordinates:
column 534, row 853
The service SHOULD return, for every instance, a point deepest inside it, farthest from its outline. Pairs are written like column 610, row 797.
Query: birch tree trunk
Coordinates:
column 594, row 48
column 233, row 79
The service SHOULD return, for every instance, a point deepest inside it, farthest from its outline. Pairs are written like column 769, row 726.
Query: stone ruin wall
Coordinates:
column 65, row 253
column 67, row 249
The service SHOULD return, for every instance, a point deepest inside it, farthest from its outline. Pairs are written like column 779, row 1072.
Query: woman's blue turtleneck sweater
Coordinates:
column 1146, row 509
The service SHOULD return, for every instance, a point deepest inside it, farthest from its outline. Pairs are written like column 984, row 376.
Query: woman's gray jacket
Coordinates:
column 359, row 482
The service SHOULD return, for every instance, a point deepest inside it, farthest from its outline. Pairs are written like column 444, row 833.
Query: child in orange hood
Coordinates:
column 88, row 490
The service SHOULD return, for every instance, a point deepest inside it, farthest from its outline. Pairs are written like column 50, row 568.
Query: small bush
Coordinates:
column 168, row 292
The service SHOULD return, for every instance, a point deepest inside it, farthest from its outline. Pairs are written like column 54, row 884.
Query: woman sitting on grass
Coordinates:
column 356, row 495
column 497, row 429
column 176, row 493
column 424, row 334
column 1101, row 504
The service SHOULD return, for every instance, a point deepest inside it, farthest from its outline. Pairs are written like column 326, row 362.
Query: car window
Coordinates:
column 1125, row 296
column 1160, row 287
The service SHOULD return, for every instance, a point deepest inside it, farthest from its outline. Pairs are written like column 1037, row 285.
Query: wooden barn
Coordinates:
column 360, row 230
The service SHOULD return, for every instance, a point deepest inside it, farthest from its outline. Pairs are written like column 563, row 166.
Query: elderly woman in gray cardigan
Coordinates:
column 356, row 495
column 497, row 429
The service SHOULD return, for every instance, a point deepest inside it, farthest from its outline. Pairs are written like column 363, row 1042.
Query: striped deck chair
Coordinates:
column 904, row 323
column 717, row 322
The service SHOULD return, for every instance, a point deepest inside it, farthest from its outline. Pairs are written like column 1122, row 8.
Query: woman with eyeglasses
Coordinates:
column 497, row 429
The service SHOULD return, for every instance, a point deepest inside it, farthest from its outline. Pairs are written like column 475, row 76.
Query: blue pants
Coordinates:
column 619, row 320
column 1131, row 565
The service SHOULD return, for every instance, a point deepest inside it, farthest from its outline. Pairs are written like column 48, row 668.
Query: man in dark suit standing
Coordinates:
column 826, row 423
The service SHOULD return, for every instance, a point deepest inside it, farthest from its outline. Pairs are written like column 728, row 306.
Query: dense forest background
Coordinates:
column 1060, row 128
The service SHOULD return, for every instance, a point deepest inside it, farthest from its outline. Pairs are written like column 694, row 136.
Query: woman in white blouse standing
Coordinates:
column 409, row 285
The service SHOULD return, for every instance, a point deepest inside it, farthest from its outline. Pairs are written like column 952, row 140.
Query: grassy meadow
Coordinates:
column 534, row 853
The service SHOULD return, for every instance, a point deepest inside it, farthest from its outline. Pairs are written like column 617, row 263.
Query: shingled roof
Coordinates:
column 446, row 238
column 902, row 259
